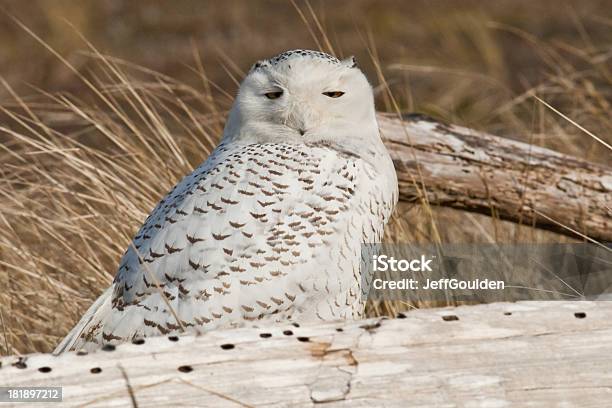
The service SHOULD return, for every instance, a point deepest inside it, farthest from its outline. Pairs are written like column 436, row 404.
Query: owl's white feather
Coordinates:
column 270, row 226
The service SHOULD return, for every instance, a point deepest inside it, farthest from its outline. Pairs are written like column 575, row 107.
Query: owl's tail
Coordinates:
column 96, row 313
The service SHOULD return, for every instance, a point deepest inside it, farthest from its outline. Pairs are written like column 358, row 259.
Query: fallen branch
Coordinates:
column 475, row 171
column 505, row 354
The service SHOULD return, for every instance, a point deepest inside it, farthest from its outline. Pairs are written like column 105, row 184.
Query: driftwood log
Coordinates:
column 537, row 354
column 475, row 171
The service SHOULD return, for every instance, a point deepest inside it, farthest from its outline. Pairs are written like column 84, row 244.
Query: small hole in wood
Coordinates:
column 227, row 346
column 173, row 338
column 95, row 370
column 265, row 335
column 138, row 341
column 45, row 369
column 507, row 313
column 339, row 329
column 450, row 318
column 303, row 339
column 288, row 333
column 295, row 324
column 109, row 347
column 579, row 315
column 400, row 316
column 20, row 364
column 185, row 369
column 370, row 326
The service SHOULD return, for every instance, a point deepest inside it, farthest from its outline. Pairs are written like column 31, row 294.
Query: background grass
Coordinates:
column 92, row 135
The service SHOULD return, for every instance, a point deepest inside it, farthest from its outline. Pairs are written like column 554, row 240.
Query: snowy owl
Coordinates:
column 269, row 228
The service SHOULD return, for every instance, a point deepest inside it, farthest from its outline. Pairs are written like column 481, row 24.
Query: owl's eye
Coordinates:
column 273, row 95
column 334, row 94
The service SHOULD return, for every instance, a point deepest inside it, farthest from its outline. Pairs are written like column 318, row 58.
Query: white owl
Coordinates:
column 270, row 226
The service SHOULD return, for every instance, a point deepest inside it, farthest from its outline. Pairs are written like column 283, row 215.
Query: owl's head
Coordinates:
column 303, row 96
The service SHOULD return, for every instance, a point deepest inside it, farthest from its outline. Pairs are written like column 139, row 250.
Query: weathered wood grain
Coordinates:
column 475, row 171
column 539, row 354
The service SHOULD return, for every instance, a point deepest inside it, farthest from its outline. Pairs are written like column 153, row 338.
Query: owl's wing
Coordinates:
column 257, row 230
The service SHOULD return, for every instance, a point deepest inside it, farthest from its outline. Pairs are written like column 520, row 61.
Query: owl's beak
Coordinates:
column 299, row 117
column 299, row 129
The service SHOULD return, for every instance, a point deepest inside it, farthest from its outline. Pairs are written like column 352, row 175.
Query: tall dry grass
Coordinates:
column 81, row 170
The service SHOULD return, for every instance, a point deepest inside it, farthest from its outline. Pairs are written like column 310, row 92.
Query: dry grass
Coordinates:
column 82, row 169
